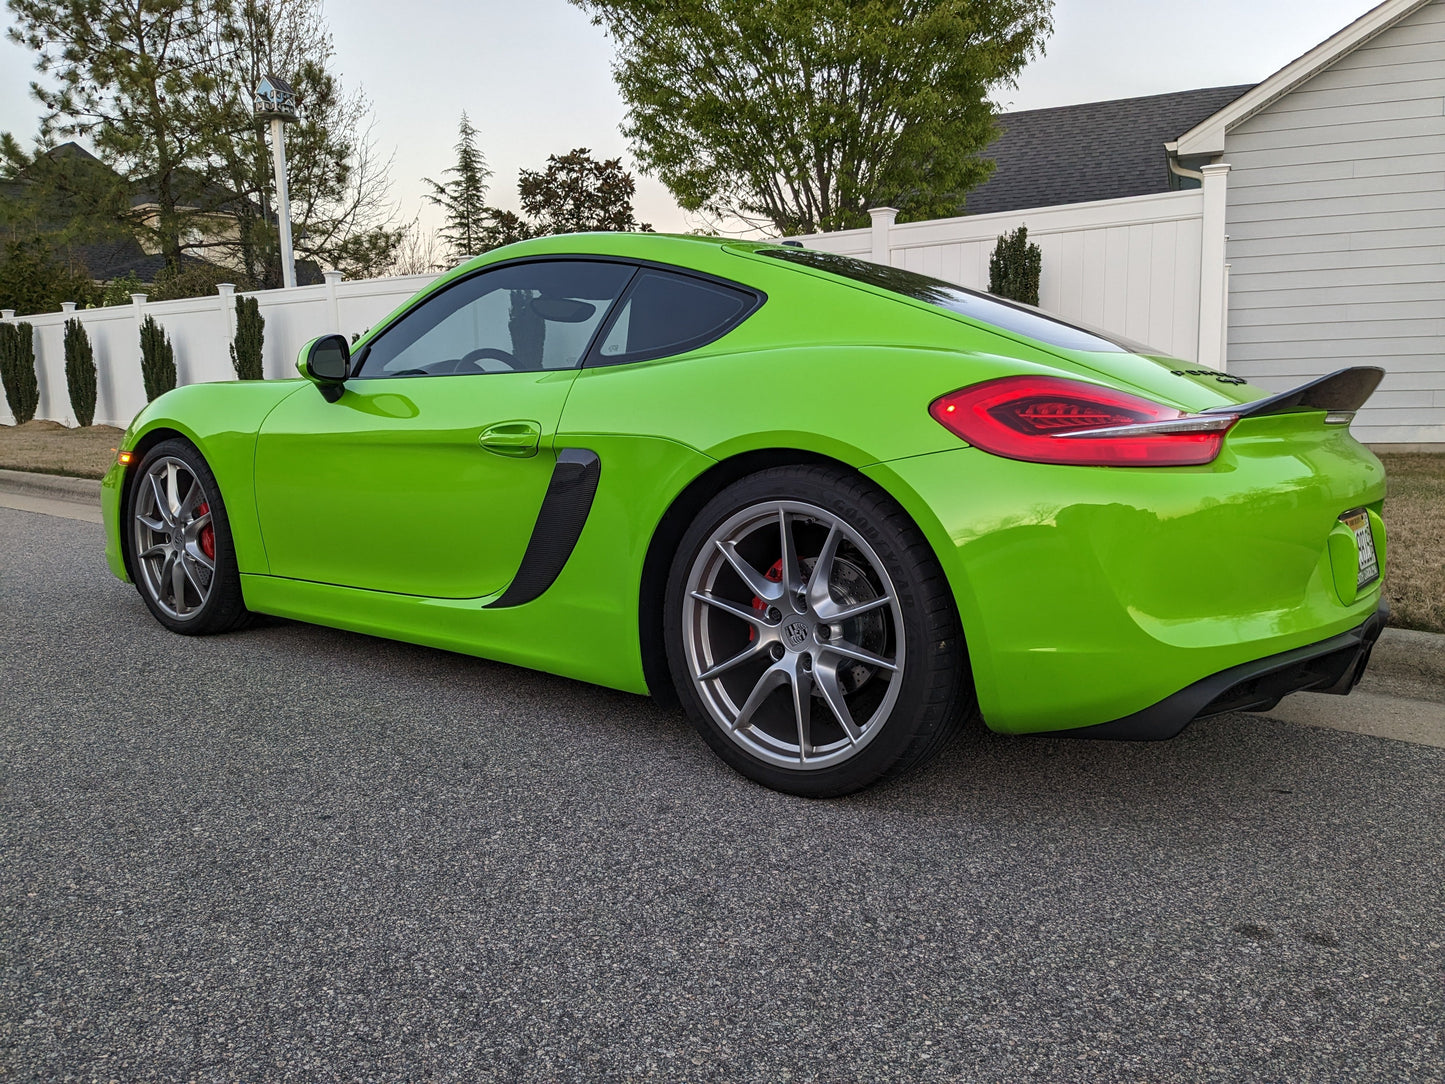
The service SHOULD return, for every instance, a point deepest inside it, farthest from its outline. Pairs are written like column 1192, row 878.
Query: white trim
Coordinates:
column 1207, row 137
column 1213, row 272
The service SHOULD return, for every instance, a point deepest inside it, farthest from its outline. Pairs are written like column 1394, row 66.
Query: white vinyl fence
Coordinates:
column 201, row 329
column 1130, row 266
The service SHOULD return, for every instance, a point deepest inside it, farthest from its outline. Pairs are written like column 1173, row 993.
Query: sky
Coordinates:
column 535, row 76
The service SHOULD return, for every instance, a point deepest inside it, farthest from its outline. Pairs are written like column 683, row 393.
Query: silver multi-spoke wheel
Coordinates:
column 792, row 634
column 173, row 539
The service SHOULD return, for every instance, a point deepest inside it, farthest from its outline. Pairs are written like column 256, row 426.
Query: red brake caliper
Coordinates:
column 776, row 575
column 208, row 533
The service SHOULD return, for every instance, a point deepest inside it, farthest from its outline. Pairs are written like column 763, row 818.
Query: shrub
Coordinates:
column 17, row 370
column 250, row 333
column 157, row 359
column 80, row 372
column 118, row 290
column 1014, row 267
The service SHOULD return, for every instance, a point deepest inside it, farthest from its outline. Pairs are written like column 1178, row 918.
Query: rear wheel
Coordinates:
column 182, row 559
column 811, row 634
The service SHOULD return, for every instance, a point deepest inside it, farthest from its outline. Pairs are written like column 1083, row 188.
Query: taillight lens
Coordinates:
column 1044, row 419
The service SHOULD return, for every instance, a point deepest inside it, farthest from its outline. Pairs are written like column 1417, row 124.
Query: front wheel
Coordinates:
column 182, row 559
column 811, row 634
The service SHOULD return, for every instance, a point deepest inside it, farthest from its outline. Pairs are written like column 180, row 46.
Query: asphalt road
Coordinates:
column 298, row 854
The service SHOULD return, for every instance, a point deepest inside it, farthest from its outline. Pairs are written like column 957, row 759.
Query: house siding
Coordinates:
column 1336, row 225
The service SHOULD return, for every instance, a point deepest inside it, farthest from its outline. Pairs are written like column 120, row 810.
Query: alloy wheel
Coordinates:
column 174, row 541
column 793, row 635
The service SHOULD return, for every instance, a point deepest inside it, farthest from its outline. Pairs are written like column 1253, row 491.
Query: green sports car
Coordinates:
column 836, row 509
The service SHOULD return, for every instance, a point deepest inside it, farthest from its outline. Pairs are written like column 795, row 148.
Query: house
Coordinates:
column 1325, row 201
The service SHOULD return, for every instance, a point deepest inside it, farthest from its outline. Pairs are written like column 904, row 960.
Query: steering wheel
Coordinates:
column 488, row 353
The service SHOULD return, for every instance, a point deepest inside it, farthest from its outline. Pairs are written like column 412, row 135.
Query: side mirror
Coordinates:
column 326, row 362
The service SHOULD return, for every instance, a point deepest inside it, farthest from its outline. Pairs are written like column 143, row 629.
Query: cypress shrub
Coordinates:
column 1014, row 267
column 17, row 370
column 157, row 359
column 250, row 333
column 80, row 372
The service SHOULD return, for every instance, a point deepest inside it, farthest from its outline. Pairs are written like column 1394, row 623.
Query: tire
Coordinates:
column 818, row 671
column 179, row 537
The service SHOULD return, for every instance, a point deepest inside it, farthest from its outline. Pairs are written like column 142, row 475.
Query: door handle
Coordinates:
column 518, row 439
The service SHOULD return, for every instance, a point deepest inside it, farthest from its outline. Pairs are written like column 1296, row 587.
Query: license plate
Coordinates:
column 1359, row 522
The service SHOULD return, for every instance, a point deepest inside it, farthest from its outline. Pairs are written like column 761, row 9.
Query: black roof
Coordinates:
column 1098, row 150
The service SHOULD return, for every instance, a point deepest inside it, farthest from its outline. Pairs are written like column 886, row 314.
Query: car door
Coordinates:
column 426, row 475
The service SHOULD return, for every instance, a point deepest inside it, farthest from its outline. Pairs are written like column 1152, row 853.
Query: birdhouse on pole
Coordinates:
column 275, row 99
column 276, row 103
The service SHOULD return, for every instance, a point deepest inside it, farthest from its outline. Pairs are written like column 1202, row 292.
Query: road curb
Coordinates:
column 55, row 486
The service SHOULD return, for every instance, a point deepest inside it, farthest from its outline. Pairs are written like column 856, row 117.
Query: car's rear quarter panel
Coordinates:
column 1089, row 593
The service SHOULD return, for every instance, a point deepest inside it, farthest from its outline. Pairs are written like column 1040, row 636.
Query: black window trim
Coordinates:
column 589, row 358
column 594, row 360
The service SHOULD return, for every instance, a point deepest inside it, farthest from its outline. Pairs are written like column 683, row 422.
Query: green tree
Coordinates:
column 33, row 280
column 164, row 89
column 80, row 372
column 157, row 359
column 246, row 355
column 122, row 76
column 1015, row 267
column 17, row 370
column 339, row 185
column 801, row 114
column 463, row 199
column 576, row 193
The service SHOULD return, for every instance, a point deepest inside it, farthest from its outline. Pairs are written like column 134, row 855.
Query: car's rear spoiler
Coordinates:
column 1345, row 390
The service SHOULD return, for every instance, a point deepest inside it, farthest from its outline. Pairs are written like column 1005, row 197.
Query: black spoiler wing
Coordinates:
column 1345, row 390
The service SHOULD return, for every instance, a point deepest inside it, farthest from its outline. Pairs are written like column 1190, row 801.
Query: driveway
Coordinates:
column 299, row 854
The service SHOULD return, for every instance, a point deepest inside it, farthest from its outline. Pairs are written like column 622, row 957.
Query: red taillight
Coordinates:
column 1045, row 419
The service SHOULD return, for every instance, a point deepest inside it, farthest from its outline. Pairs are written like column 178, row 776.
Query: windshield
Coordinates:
column 985, row 308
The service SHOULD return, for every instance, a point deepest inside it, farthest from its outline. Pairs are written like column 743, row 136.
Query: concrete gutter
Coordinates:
column 54, row 486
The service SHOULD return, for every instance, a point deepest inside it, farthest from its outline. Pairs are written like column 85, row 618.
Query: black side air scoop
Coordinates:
column 1343, row 391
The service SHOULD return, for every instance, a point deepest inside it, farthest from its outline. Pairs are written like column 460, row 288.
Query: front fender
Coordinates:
column 222, row 421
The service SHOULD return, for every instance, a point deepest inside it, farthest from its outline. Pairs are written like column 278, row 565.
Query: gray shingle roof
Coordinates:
column 1098, row 150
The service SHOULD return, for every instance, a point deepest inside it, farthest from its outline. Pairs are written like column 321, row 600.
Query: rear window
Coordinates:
column 985, row 308
column 664, row 314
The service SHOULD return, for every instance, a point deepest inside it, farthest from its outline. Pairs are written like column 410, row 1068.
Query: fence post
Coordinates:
column 333, row 280
column 883, row 219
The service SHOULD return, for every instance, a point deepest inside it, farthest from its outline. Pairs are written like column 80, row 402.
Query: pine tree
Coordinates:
column 463, row 198
column 80, row 372
column 157, row 359
column 17, row 370
column 1015, row 267
column 250, row 334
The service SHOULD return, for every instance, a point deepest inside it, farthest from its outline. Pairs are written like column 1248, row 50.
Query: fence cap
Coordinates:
column 139, row 299
column 8, row 314
column 225, row 289
column 332, row 277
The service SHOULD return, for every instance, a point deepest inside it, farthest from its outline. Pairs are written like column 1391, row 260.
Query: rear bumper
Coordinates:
column 1330, row 666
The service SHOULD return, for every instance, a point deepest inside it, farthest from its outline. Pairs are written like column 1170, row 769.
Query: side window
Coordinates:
column 669, row 314
column 527, row 317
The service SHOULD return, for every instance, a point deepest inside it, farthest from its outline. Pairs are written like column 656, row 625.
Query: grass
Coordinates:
column 1414, row 509
column 1415, row 523
column 51, row 448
